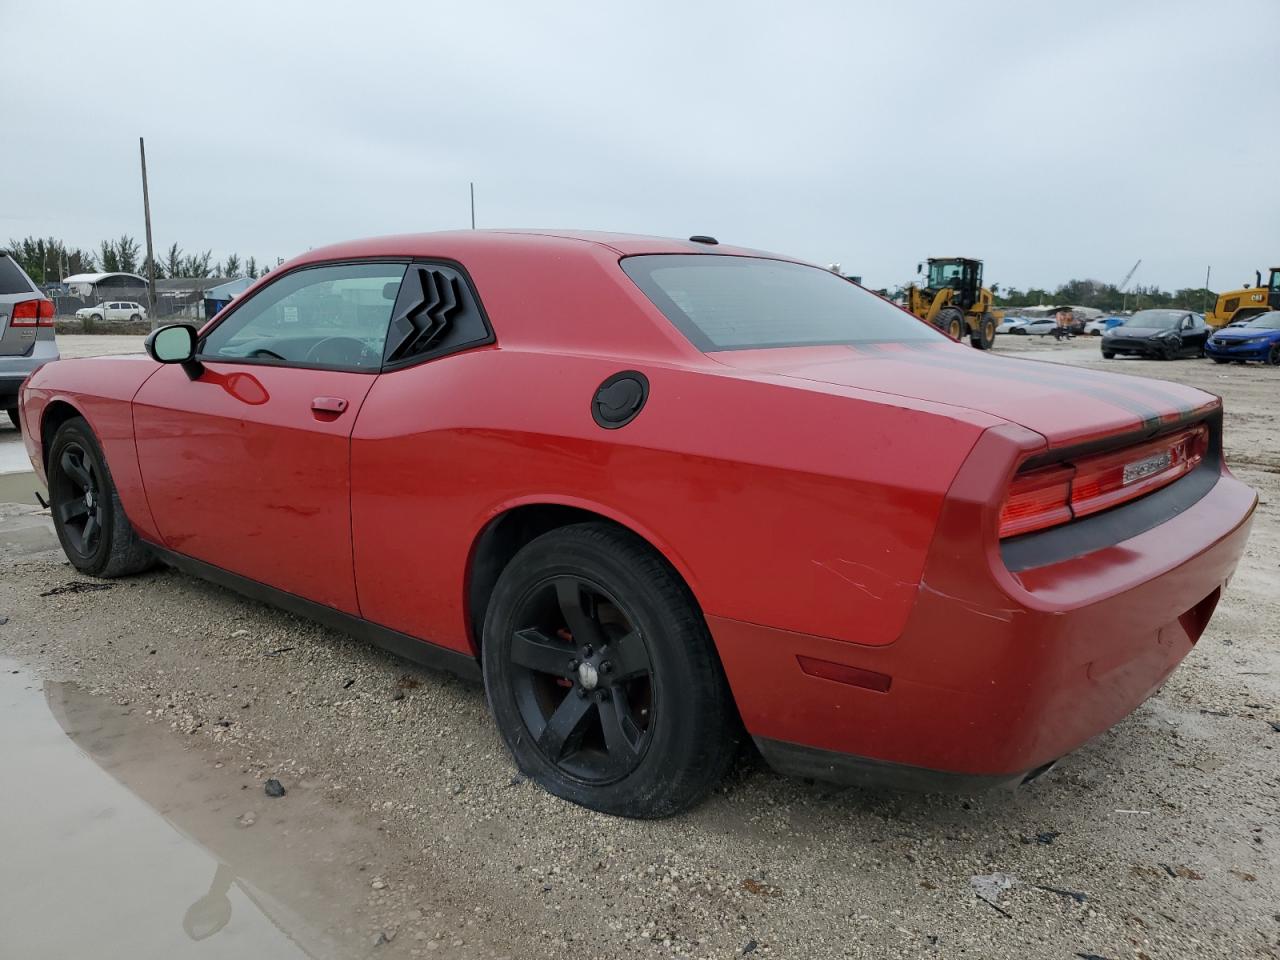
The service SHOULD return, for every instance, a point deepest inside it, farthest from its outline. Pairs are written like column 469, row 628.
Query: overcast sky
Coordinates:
column 1050, row 144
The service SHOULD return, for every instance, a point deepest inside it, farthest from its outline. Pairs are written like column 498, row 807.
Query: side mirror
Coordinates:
column 175, row 343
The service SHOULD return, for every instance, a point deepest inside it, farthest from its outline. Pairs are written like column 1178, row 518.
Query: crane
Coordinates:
column 1125, row 282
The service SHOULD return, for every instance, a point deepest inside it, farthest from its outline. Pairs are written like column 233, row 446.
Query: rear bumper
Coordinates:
column 996, row 674
column 14, row 370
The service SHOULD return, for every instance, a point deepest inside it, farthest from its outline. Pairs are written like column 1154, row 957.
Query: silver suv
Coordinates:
column 26, row 331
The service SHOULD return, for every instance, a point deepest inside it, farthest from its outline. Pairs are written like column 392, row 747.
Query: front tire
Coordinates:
column 1108, row 354
column 1273, row 355
column 91, row 524
column 602, row 676
column 951, row 322
column 14, row 419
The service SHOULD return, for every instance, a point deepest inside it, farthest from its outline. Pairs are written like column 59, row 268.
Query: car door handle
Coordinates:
column 328, row 405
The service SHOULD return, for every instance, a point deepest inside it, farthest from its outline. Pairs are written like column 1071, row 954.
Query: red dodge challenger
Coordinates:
column 661, row 492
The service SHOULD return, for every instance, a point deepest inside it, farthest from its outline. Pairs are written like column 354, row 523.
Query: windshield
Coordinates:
column 736, row 303
column 1156, row 319
column 944, row 273
column 1265, row 321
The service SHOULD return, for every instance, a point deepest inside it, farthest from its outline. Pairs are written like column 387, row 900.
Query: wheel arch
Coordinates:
column 514, row 524
column 54, row 415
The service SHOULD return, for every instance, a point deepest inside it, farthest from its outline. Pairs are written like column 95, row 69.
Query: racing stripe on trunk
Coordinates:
column 1148, row 416
column 1101, row 383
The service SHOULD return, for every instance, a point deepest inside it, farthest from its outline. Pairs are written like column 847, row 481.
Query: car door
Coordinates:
column 1194, row 334
column 247, row 466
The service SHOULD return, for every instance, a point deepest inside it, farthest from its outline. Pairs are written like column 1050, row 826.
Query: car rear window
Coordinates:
column 12, row 279
column 739, row 303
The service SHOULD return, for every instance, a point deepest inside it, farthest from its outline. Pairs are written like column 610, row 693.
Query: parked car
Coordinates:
column 113, row 310
column 1096, row 328
column 1160, row 334
column 1258, row 339
column 1039, row 327
column 26, row 331
column 660, row 492
column 1012, row 325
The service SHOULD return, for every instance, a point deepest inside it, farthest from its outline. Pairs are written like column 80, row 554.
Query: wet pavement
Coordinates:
column 122, row 843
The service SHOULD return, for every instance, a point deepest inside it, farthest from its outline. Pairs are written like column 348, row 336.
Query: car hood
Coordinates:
column 1243, row 333
column 1066, row 405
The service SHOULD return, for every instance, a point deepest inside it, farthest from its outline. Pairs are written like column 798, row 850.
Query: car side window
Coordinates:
column 331, row 316
column 437, row 313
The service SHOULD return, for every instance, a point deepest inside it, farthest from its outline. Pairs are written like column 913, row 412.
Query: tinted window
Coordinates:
column 333, row 316
column 1156, row 319
column 730, row 303
column 12, row 279
column 1266, row 321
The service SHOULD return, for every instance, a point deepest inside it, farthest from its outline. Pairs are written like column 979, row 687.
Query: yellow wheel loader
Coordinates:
column 954, row 300
column 1246, row 302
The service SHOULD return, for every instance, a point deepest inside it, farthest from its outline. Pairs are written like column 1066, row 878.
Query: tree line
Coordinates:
column 49, row 260
column 1105, row 296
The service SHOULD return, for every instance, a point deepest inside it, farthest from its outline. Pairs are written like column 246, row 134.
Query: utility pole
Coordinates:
column 473, row 205
column 151, row 255
column 1204, row 303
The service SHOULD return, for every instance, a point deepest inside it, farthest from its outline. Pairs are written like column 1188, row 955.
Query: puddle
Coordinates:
column 116, row 841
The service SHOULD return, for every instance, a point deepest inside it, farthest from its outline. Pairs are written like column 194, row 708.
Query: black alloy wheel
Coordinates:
column 77, row 503
column 602, row 676
column 582, row 679
column 87, row 514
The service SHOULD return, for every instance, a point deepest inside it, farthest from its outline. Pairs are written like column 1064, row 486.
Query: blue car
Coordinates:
column 1259, row 339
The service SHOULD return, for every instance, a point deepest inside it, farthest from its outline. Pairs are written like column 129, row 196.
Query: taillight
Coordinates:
column 1049, row 496
column 1113, row 478
column 32, row 313
column 1037, row 499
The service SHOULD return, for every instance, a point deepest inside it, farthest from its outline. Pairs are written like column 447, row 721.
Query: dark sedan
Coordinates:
column 1257, row 339
column 1159, row 334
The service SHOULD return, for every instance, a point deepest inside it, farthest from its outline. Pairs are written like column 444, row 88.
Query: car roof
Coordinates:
column 458, row 243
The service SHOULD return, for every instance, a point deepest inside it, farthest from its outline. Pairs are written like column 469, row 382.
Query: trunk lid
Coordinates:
column 1066, row 405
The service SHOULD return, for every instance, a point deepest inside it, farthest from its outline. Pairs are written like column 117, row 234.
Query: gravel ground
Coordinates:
column 1156, row 840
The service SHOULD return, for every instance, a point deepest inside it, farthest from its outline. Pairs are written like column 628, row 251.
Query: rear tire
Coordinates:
column 87, row 515
column 1108, row 355
column 134, row 318
column 602, row 675
column 1220, row 360
column 986, row 336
